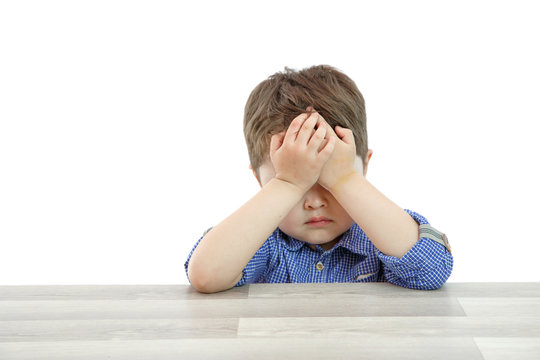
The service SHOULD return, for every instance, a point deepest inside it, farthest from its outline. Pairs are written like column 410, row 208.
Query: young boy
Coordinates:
column 316, row 217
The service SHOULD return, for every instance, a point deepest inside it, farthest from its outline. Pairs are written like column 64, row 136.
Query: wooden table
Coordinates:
column 271, row 321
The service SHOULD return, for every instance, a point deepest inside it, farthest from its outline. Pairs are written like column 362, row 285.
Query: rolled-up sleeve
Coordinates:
column 186, row 264
column 256, row 268
column 426, row 266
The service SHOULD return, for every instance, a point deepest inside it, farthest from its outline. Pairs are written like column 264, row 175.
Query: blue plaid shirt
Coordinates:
column 283, row 259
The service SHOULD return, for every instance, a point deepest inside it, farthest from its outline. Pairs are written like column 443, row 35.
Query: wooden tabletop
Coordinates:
column 271, row 321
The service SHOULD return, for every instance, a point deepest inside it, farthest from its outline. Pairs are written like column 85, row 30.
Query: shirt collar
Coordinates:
column 290, row 243
column 356, row 241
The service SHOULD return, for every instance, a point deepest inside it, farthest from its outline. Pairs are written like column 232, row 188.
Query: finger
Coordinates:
column 294, row 128
column 317, row 139
column 307, row 129
column 329, row 130
column 320, row 120
column 346, row 135
column 328, row 148
column 323, row 123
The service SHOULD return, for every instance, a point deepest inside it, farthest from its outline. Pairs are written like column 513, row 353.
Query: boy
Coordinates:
column 316, row 217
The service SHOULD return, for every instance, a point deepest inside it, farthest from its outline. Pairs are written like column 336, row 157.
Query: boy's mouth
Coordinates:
column 318, row 221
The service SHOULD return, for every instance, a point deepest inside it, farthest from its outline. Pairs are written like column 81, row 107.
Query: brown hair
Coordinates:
column 276, row 101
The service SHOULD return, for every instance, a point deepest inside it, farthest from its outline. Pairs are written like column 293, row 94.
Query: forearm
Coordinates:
column 222, row 254
column 390, row 228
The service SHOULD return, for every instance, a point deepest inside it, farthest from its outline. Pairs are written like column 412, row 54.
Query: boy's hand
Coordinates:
column 341, row 163
column 295, row 153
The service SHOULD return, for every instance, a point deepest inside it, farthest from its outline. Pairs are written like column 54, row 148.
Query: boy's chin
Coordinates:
column 318, row 237
column 313, row 240
column 320, row 241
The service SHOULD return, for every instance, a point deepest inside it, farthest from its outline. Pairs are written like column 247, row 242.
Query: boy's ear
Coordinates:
column 255, row 174
column 366, row 160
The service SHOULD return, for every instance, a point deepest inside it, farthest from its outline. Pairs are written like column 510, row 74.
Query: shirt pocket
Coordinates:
column 365, row 272
column 366, row 277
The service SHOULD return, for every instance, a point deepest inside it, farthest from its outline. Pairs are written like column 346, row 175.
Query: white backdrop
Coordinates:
column 121, row 125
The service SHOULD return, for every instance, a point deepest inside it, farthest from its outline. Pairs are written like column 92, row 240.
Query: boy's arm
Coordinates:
column 390, row 228
column 222, row 254
column 220, row 257
column 426, row 266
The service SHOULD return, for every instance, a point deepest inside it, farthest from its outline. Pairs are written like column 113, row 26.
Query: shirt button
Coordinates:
column 319, row 266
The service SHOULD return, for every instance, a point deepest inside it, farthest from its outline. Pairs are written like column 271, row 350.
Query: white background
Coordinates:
column 121, row 125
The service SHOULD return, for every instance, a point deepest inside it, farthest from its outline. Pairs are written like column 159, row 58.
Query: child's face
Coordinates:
column 317, row 202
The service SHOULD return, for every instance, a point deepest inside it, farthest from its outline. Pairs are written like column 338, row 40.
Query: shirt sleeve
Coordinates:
column 260, row 264
column 191, row 253
column 257, row 267
column 426, row 266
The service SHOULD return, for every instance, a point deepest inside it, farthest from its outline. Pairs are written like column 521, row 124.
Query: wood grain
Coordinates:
column 268, row 321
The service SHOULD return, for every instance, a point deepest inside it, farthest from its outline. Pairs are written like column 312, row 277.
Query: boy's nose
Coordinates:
column 315, row 198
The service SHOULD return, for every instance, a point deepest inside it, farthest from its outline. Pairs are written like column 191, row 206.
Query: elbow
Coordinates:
column 198, row 281
column 431, row 278
column 204, row 286
column 437, row 278
column 204, row 282
column 433, row 284
column 420, row 282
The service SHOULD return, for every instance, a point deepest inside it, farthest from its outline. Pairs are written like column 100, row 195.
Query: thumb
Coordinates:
column 345, row 134
column 276, row 141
